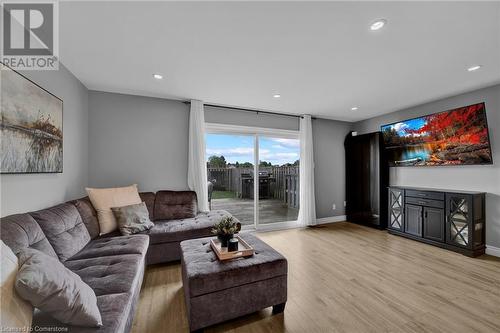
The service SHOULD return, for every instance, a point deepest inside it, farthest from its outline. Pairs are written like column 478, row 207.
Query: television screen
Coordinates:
column 455, row 137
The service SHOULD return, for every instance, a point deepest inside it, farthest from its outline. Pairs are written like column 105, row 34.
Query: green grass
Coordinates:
column 223, row 194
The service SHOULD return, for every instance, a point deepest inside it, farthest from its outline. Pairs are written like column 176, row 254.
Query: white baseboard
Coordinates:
column 292, row 225
column 331, row 219
column 493, row 251
column 277, row 226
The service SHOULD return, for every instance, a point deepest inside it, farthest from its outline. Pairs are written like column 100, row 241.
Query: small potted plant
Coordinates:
column 225, row 229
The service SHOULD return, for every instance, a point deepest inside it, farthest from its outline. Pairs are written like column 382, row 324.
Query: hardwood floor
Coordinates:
column 348, row 278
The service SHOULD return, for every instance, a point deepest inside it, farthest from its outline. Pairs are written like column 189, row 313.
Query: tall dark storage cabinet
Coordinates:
column 367, row 176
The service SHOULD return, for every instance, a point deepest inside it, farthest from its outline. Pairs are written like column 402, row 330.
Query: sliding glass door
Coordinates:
column 278, row 179
column 253, row 173
column 230, row 173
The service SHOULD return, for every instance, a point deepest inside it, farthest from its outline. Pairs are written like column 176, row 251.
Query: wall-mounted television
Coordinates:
column 455, row 137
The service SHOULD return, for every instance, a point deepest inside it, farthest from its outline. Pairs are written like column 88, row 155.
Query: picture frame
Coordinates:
column 31, row 126
column 406, row 144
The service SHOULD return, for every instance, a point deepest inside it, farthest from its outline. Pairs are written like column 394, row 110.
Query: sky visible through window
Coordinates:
column 239, row 148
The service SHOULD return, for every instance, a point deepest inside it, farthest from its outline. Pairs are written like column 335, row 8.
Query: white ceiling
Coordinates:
column 321, row 57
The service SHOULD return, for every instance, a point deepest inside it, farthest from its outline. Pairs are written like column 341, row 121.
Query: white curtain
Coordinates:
column 307, row 210
column 197, row 166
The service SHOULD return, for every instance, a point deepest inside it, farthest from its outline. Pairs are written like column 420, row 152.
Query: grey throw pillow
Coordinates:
column 55, row 290
column 132, row 219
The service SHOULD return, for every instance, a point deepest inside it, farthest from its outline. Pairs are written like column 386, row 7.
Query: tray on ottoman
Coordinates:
column 216, row 291
column 244, row 249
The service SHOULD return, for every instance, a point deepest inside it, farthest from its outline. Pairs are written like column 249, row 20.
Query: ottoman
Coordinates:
column 217, row 291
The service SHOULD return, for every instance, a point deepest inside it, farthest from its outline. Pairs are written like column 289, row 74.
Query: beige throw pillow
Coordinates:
column 14, row 311
column 104, row 198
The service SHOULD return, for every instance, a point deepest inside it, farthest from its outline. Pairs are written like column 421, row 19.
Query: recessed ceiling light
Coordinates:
column 276, row 95
column 474, row 68
column 158, row 76
column 378, row 24
column 354, row 108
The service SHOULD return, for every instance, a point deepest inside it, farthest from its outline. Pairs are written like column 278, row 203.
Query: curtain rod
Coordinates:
column 250, row 110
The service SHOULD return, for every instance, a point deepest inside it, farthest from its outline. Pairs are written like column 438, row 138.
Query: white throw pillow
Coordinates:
column 14, row 311
column 104, row 198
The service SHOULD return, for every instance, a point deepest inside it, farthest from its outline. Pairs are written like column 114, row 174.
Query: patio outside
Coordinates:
column 233, row 190
column 230, row 169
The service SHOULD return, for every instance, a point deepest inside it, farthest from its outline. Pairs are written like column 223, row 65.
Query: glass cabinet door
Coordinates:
column 396, row 208
column 458, row 219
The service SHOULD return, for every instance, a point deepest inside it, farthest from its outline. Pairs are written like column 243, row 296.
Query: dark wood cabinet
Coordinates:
column 396, row 209
column 459, row 220
column 453, row 220
column 433, row 227
column 413, row 215
column 367, row 177
column 465, row 220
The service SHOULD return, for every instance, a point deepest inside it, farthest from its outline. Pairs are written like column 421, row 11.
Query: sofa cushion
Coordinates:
column 132, row 219
column 110, row 274
column 20, row 231
column 112, row 246
column 48, row 285
column 104, row 198
column 118, row 310
column 171, row 205
column 117, row 282
column 64, row 228
column 88, row 214
column 149, row 199
column 204, row 273
column 115, row 313
column 163, row 252
column 179, row 230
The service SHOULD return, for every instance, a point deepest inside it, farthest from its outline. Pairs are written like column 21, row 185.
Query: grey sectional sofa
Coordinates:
column 112, row 265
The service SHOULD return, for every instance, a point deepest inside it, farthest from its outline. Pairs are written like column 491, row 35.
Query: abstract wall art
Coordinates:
column 31, row 126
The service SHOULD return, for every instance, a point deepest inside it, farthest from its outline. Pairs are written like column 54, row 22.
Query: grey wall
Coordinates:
column 134, row 139
column 22, row 193
column 476, row 178
column 329, row 166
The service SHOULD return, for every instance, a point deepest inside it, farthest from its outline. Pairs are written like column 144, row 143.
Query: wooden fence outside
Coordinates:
column 292, row 190
column 284, row 187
